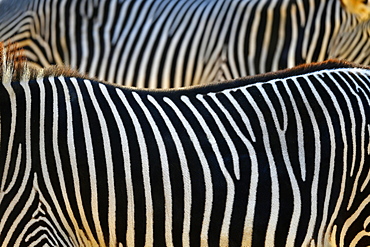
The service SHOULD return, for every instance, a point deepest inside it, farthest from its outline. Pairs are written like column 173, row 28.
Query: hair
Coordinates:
column 14, row 66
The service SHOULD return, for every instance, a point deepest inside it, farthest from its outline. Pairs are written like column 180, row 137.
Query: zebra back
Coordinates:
column 277, row 159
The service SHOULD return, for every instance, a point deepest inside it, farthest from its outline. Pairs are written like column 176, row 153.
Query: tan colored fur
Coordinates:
column 358, row 7
column 14, row 67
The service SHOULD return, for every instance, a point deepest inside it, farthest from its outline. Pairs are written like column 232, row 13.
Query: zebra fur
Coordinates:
column 165, row 44
column 280, row 159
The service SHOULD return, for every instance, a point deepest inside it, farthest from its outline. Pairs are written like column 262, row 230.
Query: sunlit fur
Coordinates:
column 279, row 159
column 14, row 66
column 358, row 7
column 166, row 44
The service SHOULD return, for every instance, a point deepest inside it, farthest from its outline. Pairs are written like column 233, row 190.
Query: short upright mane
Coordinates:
column 14, row 66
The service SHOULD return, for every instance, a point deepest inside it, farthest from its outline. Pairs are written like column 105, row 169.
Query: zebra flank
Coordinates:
column 177, row 43
column 280, row 159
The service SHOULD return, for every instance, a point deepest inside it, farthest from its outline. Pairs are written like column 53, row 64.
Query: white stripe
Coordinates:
column 104, row 59
column 45, row 167
column 294, row 39
column 13, row 111
column 92, row 172
column 165, row 170
column 281, row 38
column 27, row 170
column 149, row 238
column 206, row 172
column 184, row 169
column 317, row 162
column 230, row 186
column 300, row 132
column 223, row 130
column 130, row 233
column 330, row 176
column 281, row 130
column 252, row 195
column 275, row 204
column 267, row 35
column 73, row 161
column 109, row 164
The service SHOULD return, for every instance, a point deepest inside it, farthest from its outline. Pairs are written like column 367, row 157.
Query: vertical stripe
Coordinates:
column 149, row 238
column 43, row 161
column 130, row 234
column 230, row 186
column 165, row 170
column 316, row 165
column 92, row 172
column 109, row 165
column 184, row 169
column 281, row 130
column 206, row 172
column 73, row 159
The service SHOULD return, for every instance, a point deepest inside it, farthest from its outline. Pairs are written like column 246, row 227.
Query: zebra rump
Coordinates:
column 280, row 159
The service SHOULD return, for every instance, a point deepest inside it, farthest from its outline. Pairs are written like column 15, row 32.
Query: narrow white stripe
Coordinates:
column 149, row 237
column 241, row 41
column 300, row 132
column 184, row 169
column 294, row 39
column 223, row 130
column 27, row 172
column 130, row 233
column 52, row 51
column 165, row 170
column 72, row 35
column 267, row 36
column 234, row 33
column 107, row 25
column 253, row 37
column 330, row 176
column 13, row 111
column 230, row 186
column 281, row 130
column 317, row 162
column 206, row 171
column 248, row 223
column 109, row 165
column 281, row 38
column 44, row 166
column 73, row 159
column 98, row 22
column 92, row 172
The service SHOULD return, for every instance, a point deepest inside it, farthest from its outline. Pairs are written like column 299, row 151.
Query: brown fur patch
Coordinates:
column 14, row 66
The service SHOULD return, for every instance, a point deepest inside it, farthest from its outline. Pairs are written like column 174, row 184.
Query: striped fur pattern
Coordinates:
column 163, row 44
column 280, row 159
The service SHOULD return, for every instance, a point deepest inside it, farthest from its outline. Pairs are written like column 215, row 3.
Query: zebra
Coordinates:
column 280, row 159
column 165, row 44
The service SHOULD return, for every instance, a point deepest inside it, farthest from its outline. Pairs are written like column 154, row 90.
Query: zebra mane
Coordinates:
column 14, row 66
